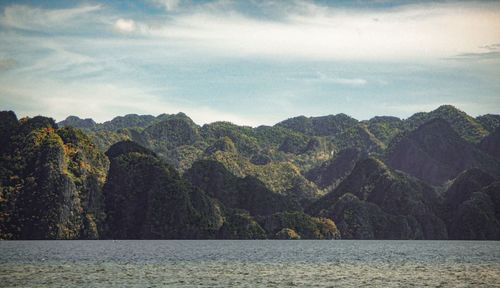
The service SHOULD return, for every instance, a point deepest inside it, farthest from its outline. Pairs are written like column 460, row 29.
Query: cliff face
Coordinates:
column 51, row 182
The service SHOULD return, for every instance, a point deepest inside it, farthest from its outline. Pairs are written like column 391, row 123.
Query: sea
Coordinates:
column 252, row 263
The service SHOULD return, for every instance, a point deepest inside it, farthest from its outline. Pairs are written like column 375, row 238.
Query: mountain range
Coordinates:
column 434, row 175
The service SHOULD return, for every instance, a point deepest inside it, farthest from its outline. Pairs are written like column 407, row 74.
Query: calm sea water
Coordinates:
column 249, row 264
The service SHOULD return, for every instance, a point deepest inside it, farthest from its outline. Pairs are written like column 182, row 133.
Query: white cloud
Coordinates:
column 125, row 25
column 51, row 72
column 100, row 101
column 302, row 30
column 343, row 81
column 412, row 32
column 350, row 81
column 40, row 55
column 169, row 5
column 31, row 18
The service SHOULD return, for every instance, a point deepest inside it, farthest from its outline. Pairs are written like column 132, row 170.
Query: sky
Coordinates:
column 248, row 62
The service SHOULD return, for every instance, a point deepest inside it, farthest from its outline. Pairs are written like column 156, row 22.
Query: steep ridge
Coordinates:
column 146, row 198
column 240, row 182
column 330, row 173
column 489, row 121
column 466, row 126
column 51, row 182
column 77, row 122
column 385, row 128
column 435, row 153
column 375, row 202
column 330, row 125
column 472, row 206
column 359, row 137
column 246, row 193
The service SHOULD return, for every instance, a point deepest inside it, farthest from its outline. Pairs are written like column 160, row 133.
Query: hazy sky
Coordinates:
column 249, row 62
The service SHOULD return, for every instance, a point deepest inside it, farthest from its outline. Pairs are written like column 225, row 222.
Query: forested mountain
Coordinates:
column 434, row 152
column 51, row 181
column 434, row 175
column 375, row 202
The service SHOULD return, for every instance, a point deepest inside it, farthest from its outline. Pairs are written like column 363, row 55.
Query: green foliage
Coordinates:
column 127, row 121
column 147, row 199
column 126, row 147
column 241, row 182
column 435, row 153
column 330, row 125
column 174, row 131
column 270, row 137
column 475, row 219
column 260, row 159
column 73, row 121
column 471, row 206
column 224, row 144
column 295, row 144
column 375, row 202
column 298, row 225
column 280, row 177
column 287, row 234
column 180, row 142
column 491, row 144
column 184, row 156
column 466, row 126
column 243, row 193
column 103, row 139
column 359, row 219
column 385, row 128
column 242, row 136
column 8, row 124
column 330, row 173
column 51, row 182
column 238, row 224
column 489, row 121
column 359, row 137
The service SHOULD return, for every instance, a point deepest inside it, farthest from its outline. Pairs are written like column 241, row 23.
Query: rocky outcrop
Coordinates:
column 51, row 183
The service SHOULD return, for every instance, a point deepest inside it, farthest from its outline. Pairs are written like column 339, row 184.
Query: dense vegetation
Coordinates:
column 434, row 175
column 434, row 152
column 51, row 181
column 375, row 202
